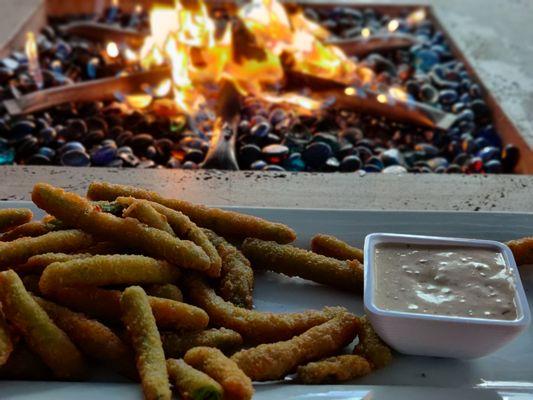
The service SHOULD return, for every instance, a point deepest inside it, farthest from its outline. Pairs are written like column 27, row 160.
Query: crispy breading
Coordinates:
column 293, row 261
column 176, row 344
column 13, row 217
column 237, row 386
column 254, row 326
column 41, row 334
column 144, row 212
column 20, row 250
column 371, row 346
column 142, row 330
column 191, row 383
column 105, row 304
column 223, row 222
column 334, row 369
column 330, row 246
column 275, row 360
column 237, row 276
column 78, row 212
column 165, row 291
column 522, row 250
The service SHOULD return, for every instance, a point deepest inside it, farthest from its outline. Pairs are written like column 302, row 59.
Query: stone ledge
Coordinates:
column 302, row 190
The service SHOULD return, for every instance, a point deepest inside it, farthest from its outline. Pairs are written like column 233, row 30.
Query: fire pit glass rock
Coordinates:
column 138, row 131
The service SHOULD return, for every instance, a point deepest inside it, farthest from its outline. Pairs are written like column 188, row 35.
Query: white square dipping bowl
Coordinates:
column 439, row 335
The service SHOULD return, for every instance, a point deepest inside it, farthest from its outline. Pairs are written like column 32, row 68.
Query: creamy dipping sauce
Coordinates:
column 443, row 280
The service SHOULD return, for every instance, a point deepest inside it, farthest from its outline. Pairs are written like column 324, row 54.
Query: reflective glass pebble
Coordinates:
column 461, row 159
column 273, row 168
column 73, row 145
column 489, row 153
column 394, row 169
column 475, row 91
column 428, row 149
column 7, row 155
column 47, row 134
column 249, row 153
column 392, row 157
column 275, row 153
column 21, row 128
column 327, row 138
column 173, row 163
column 493, row 167
column 258, row 165
column 332, row 164
column 109, row 143
column 93, row 66
column 294, row 163
column 475, row 165
column 346, row 150
column 447, row 96
column 194, row 155
column 426, row 59
column 372, row 168
column 364, row 153
column 150, row 152
column 103, row 155
column 437, row 162
column 129, row 159
column 453, row 169
column 481, row 111
column 27, row 146
column 261, row 130
column 141, row 141
column 316, row 154
column 350, row 163
column 151, row 164
column 490, row 135
column 428, row 94
column 116, row 163
column 47, row 152
column 38, row 159
column 480, row 142
column 75, row 158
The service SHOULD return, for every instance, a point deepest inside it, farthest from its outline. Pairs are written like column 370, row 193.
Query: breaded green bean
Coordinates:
column 105, row 304
column 330, row 246
column 334, row 369
column 177, row 344
column 371, row 347
column 275, row 360
column 522, row 250
column 236, row 385
column 184, row 228
column 13, row 217
column 165, row 291
column 79, row 212
column 36, row 264
column 93, row 338
column 292, row 261
column 107, row 270
column 20, row 250
column 6, row 343
column 191, row 383
column 24, row 365
column 144, row 212
column 142, row 330
column 254, row 326
column 237, row 277
column 225, row 223
column 41, row 334
column 29, row 229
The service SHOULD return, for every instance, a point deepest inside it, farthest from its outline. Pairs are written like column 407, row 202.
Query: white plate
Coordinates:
column 507, row 373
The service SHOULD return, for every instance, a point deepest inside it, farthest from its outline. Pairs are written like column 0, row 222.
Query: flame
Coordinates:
column 393, row 25
column 201, row 56
column 382, row 98
column 163, row 88
column 115, row 3
column 416, row 17
column 366, row 32
column 397, row 93
column 112, row 50
column 34, row 66
column 139, row 101
column 130, row 55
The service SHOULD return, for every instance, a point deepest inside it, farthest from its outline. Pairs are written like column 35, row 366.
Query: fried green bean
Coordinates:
column 29, row 229
column 165, row 291
column 330, row 246
column 13, row 217
column 334, row 369
column 177, row 344
column 107, row 270
column 93, row 338
column 371, row 347
column 6, row 343
column 275, row 360
column 105, row 304
column 522, row 250
column 20, row 250
column 41, row 334
column 36, row 264
column 79, row 212
column 191, row 383
column 24, row 365
column 237, row 277
column 236, row 385
column 254, row 326
column 292, row 261
column 142, row 330
column 225, row 223
column 184, row 228
column 144, row 212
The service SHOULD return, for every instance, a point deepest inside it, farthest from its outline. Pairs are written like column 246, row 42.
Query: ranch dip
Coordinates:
column 443, row 280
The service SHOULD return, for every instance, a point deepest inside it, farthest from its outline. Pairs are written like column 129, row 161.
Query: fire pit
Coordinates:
column 260, row 87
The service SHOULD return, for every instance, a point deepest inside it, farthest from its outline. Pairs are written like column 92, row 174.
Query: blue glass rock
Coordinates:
column 394, row 169
column 261, row 130
column 316, row 154
column 294, row 163
column 271, row 167
column 426, row 59
column 75, row 158
column 249, row 153
column 489, row 153
column 493, row 167
column 448, row 96
column 103, row 155
column 258, row 165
